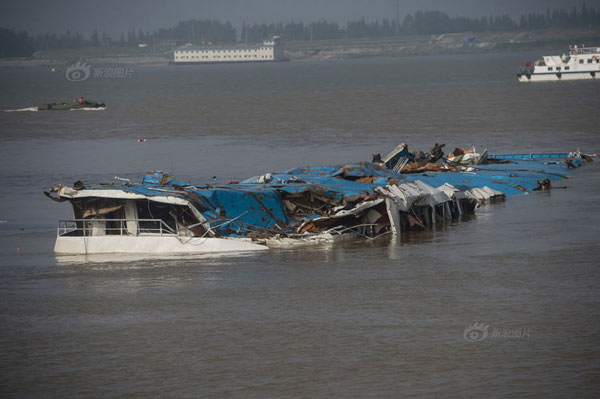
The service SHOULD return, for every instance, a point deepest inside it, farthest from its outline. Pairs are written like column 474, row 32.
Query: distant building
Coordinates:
column 269, row 50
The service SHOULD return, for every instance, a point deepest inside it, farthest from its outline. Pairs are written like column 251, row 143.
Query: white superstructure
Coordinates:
column 116, row 221
column 580, row 63
column 269, row 50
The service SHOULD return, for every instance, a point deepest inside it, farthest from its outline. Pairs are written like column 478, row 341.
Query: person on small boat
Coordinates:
column 81, row 100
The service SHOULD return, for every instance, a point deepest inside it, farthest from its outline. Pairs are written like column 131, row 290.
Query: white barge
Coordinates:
column 268, row 51
column 581, row 63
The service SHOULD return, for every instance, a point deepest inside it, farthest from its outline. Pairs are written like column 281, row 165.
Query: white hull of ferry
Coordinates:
column 66, row 245
column 582, row 63
column 81, row 245
column 553, row 77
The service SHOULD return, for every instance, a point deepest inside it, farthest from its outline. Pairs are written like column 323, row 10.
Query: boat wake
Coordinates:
column 28, row 109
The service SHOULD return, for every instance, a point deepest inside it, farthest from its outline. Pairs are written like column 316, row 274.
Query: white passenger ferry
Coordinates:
column 581, row 63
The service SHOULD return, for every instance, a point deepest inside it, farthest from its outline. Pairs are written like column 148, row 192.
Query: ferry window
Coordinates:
column 581, row 61
column 589, row 60
column 558, row 68
column 567, row 68
column 549, row 68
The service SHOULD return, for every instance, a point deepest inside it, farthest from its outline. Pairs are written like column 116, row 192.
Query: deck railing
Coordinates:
column 118, row 227
column 531, row 155
column 584, row 50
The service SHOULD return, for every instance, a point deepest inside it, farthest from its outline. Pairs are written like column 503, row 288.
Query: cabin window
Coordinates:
column 558, row 68
column 581, row 61
column 154, row 210
column 549, row 68
column 589, row 60
column 567, row 68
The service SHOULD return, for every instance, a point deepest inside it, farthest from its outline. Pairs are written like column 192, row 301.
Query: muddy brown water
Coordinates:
column 383, row 318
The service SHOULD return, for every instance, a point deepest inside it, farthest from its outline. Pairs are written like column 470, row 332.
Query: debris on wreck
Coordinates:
column 404, row 191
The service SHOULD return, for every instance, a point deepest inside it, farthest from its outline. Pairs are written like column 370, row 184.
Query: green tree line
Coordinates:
column 206, row 31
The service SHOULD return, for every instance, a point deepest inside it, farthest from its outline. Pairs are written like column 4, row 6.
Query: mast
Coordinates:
column 397, row 17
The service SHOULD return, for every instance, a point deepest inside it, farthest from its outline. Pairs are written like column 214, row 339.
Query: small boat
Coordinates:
column 581, row 63
column 69, row 106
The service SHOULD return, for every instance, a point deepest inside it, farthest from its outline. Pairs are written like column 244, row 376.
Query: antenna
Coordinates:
column 397, row 17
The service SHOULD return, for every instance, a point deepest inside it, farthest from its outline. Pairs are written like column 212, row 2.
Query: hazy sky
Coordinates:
column 118, row 16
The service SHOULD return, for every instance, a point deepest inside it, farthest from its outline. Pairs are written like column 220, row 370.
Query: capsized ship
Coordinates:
column 396, row 194
column 581, row 63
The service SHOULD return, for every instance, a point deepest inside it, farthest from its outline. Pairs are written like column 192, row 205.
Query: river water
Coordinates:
column 383, row 318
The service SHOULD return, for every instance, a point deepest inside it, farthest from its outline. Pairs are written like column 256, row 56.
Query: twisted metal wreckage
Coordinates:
column 401, row 192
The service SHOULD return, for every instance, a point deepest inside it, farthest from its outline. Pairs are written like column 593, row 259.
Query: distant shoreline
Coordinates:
column 451, row 43
column 318, row 50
